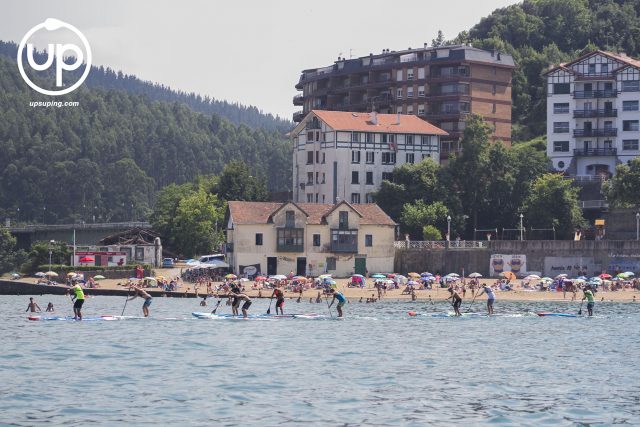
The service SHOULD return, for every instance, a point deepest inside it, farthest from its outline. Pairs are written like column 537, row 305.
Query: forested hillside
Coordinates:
column 539, row 33
column 108, row 156
column 107, row 78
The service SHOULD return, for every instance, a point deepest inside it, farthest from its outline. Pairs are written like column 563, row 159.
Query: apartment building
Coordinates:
column 593, row 114
column 345, row 156
column 309, row 239
column 442, row 85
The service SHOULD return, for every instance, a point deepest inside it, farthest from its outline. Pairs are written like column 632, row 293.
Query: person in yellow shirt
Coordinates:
column 79, row 300
column 588, row 295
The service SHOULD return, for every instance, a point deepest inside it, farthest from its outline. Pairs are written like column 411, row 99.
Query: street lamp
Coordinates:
column 51, row 242
column 44, row 211
column 448, row 227
column 521, row 229
column 638, row 226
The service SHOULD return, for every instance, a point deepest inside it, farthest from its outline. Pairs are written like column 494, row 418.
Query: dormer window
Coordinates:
column 290, row 219
column 343, row 220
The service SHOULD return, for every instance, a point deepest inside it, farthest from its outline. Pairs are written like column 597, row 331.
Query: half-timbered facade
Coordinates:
column 593, row 114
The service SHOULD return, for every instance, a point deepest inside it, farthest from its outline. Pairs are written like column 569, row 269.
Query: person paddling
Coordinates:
column 588, row 295
column 235, row 304
column 79, row 301
column 247, row 302
column 33, row 305
column 341, row 301
column 456, row 300
column 279, row 295
column 138, row 292
column 491, row 297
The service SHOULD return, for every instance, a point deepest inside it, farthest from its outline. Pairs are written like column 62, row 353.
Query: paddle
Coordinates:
column 216, row 307
column 270, row 301
column 125, row 303
column 328, row 306
column 472, row 301
column 580, row 311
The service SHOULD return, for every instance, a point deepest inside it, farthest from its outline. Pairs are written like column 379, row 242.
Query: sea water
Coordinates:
column 377, row 367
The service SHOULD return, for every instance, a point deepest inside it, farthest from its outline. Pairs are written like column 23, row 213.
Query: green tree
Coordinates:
column 429, row 232
column 439, row 40
column 553, row 201
column 10, row 256
column 198, row 223
column 38, row 255
column 236, row 183
column 623, row 190
column 415, row 216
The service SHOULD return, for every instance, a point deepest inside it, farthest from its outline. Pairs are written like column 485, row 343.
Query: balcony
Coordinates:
column 579, row 133
column 290, row 239
column 345, row 241
column 298, row 100
column 595, row 76
column 595, row 152
column 587, row 94
column 587, row 114
column 298, row 116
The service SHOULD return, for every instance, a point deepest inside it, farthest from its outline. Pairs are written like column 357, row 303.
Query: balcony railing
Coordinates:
column 584, row 114
column 298, row 100
column 298, row 116
column 586, row 94
column 595, row 132
column 595, row 76
column 595, row 152
column 344, row 247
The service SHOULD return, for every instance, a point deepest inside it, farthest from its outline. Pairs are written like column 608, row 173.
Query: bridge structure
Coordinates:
column 86, row 234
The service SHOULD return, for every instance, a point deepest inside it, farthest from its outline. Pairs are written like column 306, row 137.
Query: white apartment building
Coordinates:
column 593, row 114
column 344, row 156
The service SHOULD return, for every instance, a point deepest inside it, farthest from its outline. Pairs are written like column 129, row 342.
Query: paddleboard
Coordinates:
column 450, row 314
column 71, row 319
column 201, row 315
column 556, row 315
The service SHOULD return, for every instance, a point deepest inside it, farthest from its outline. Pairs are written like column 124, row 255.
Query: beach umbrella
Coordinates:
column 629, row 273
column 562, row 276
column 322, row 276
column 413, row 274
column 425, row 274
column 51, row 273
column 230, row 276
column 244, row 279
column 260, row 278
column 412, row 283
column 99, row 277
column 474, row 275
column 453, row 275
column 39, row 274
column 595, row 280
column 605, row 276
column 133, row 279
column 357, row 275
column 87, row 259
column 299, row 278
column 278, row 277
column 379, row 276
column 582, row 277
column 71, row 274
column 532, row 277
column 510, row 275
column 151, row 278
column 546, row 279
column 579, row 280
column 15, row 275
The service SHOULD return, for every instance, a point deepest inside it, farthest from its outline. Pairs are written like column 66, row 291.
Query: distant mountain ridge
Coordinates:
column 236, row 113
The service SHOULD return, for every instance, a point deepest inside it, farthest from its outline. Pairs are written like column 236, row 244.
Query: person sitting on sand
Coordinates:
column 456, row 300
column 50, row 307
column 33, row 305
column 139, row 292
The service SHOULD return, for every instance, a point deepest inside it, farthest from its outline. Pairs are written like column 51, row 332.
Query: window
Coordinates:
column 561, row 108
column 317, row 157
column 425, row 139
column 258, row 239
column 368, row 240
column 355, row 198
column 355, row 157
column 387, row 176
column 370, row 157
column 343, row 219
column 139, row 254
column 561, row 146
column 290, row 219
column 410, row 157
column 355, row 137
column 421, row 73
column 291, row 239
column 399, row 109
column 410, row 92
column 608, row 125
column 604, row 68
column 560, row 127
column 421, row 110
column 409, row 109
column 630, row 105
column 630, row 125
column 592, row 68
column 310, row 198
column 317, row 197
column 494, row 90
column 331, row 263
column 399, row 75
column 323, row 157
column 561, row 88
column 410, row 74
column 316, row 240
column 608, row 86
column 388, row 158
column 493, row 110
column 309, row 178
column 399, row 93
column 630, row 145
column 421, row 91
column 368, row 198
column 425, row 156
column 369, row 180
column 631, row 86
column 322, row 178
column 309, row 157
column 355, row 177
column 369, row 137
column 408, row 139
column 317, row 177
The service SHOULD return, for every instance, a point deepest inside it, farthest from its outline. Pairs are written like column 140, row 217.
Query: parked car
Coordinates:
column 167, row 263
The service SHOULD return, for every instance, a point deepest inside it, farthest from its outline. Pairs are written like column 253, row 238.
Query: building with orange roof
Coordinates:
column 340, row 155
column 309, row 238
column 593, row 114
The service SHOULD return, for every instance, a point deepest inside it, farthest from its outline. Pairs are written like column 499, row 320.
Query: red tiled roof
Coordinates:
column 259, row 212
column 361, row 122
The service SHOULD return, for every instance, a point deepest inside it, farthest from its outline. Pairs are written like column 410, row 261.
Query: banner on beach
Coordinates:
column 250, row 270
column 572, row 266
column 618, row 265
column 500, row 263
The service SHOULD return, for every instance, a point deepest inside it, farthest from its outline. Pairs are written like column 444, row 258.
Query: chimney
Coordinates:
column 373, row 117
column 398, row 118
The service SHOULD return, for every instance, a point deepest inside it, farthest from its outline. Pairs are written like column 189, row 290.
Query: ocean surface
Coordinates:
column 377, row 367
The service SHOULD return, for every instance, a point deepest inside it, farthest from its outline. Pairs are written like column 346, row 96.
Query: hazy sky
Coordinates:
column 248, row 51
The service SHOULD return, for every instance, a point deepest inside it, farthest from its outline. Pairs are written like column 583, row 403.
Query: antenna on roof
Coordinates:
column 350, row 53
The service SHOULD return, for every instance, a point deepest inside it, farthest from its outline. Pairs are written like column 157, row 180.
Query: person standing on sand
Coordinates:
column 491, row 297
column 33, row 305
column 79, row 301
column 341, row 300
column 456, row 300
column 588, row 295
column 138, row 292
